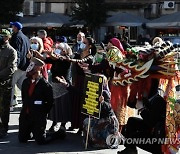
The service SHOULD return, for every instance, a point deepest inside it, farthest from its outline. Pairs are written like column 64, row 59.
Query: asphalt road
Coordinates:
column 71, row 145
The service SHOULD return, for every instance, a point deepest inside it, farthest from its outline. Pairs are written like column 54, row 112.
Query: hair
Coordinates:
column 82, row 34
column 125, row 38
column 39, row 40
column 66, row 47
column 92, row 44
column 43, row 32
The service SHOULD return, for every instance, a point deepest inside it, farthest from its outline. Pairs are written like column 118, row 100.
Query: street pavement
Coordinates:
column 71, row 145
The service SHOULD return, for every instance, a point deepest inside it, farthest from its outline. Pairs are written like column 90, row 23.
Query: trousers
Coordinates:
column 136, row 128
column 18, row 78
column 5, row 98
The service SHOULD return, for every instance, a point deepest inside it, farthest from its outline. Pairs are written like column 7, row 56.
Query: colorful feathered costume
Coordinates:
column 148, row 62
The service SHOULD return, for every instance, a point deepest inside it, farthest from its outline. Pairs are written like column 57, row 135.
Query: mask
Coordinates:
column 34, row 46
column 83, row 46
column 57, row 51
column 99, row 57
column 79, row 42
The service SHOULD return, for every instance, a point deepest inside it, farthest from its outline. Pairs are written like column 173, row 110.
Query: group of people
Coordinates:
column 51, row 76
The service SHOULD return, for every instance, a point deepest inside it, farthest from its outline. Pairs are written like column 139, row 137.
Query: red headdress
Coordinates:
column 117, row 43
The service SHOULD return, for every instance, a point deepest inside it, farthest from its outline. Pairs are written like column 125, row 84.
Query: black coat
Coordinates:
column 59, row 68
column 22, row 45
column 39, row 104
column 155, row 111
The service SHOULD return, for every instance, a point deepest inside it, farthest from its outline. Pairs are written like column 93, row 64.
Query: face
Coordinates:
column 109, row 45
column 34, row 45
column 86, row 41
column 60, row 51
column 3, row 39
column 14, row 29
column 34, row 42
column 40, row 35
column 79, row 38
column 35, row 72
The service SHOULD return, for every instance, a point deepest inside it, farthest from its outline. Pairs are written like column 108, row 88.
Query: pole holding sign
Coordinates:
column 87, row 135
column 91, row 105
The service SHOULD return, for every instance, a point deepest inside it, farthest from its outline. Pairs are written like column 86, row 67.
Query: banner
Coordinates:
column 92, row 92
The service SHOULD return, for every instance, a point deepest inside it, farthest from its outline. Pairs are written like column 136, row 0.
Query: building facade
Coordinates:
column 36, row 7
column 149, row 9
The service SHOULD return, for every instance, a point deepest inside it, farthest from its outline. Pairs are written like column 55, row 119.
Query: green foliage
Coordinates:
column 9, row 9
column 92, row 12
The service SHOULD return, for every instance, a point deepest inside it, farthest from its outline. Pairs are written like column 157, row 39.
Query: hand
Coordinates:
column 67, row 58
column 30, row 55
column 85, row 64
column 62, row 80
column 101, row 99
column 47, row 51
column 35, row 52
column 84, row 67
column 139, row 105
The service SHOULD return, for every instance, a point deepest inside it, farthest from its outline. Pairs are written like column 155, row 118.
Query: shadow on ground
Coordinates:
column 72, row 143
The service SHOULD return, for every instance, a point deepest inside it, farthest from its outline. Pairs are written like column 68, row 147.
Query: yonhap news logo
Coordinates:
column 113, row 140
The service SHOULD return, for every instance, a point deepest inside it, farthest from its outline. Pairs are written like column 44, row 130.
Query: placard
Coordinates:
column 92, row 92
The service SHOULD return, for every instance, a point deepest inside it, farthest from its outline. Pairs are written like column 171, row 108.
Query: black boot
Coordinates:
column 51, row 129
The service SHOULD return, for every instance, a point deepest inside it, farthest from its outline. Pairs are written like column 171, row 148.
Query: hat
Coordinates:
column 5, row 32
column 37, row 61
column 16, row 24
column 62, row 39
column 34, row 62
column 115, row 42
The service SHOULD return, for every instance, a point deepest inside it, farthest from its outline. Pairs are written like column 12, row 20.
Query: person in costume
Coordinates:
column 150, row 126
column 37, row 100
column 114, row 53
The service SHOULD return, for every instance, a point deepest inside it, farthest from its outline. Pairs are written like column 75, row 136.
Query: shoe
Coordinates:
column 61, row 134
column 128, row 151
column 70, row 129
column 63, row 128
column 51, row 129
column 79, row 132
